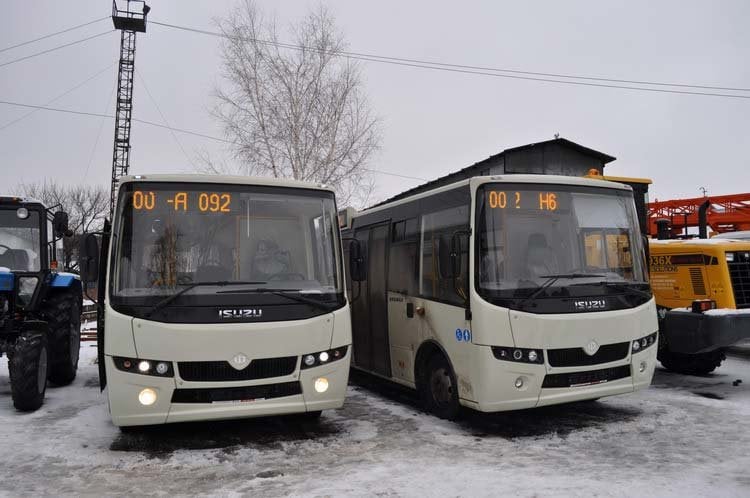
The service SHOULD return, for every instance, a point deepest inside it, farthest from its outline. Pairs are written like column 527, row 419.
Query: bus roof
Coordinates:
column 510, row 178
column 225, row 179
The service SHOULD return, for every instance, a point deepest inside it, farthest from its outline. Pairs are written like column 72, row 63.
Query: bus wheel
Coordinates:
column 439, row 389
column 308, row 416
column 691, row 364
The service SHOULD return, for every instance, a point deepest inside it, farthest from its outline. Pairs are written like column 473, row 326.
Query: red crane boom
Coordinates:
column 726, row 213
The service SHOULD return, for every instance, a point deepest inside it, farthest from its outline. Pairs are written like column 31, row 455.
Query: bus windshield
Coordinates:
column 170, row 236
column 19, row 240
column 556, row 236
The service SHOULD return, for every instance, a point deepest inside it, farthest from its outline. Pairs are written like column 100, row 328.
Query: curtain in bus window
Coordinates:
column 437, row 231
column 606, row 248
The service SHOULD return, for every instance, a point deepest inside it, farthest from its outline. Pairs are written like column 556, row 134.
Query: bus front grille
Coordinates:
column 739, row 274
column 237, row 394
column 222, row 371
column 577, row 357
column 591, row 377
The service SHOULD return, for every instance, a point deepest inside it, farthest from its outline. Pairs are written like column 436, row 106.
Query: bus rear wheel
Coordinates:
column 439, row 389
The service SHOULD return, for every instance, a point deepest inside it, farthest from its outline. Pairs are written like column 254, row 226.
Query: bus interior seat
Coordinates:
column 269, row 260
column 540, row 258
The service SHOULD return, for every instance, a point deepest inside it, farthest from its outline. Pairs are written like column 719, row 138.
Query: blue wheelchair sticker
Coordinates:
column 463, row 335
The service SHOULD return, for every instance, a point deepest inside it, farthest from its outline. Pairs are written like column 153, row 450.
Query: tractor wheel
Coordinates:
column 439, row 390
column 64, row 318
column 691, row 364
column 28, row 370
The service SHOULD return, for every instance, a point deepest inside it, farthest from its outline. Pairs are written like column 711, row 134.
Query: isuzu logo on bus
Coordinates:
column 240, row 313
column 590, row 304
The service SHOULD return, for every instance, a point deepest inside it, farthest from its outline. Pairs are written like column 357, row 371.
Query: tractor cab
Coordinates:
column 39, row 306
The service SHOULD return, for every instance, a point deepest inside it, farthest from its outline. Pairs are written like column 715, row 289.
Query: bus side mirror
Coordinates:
column 357, row 268
column 60, row 224
column 88, row 258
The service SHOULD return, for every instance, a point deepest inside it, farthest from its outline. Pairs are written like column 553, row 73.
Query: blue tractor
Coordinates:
column 39, row 306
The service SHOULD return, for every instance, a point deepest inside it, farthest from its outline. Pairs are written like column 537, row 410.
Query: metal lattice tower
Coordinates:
column 129, row 21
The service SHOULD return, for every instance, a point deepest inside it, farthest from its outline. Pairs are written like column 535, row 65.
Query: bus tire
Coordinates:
column 27, row 367
column 311, row 416
column 64, row 318
column 439, row 390
column 692, row 364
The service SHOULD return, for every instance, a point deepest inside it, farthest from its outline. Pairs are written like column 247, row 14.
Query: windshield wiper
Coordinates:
column 552, row 280
column 285, row 293
column 165, row 302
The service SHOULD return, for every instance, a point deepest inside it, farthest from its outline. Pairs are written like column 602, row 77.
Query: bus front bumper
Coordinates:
column 178, row 401
column 500, row 392
column 690, row 333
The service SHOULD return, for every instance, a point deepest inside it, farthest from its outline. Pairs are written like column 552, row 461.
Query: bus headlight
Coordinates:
column 643, row 343
column 520, row 355
column 323, row 357
column 147, row 397
column 154, row 368
column 321, row 384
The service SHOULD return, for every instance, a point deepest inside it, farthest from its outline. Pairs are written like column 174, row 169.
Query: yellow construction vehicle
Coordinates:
column 701, row 286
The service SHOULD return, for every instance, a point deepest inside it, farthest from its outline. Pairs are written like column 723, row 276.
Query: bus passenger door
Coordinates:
column 370, row 311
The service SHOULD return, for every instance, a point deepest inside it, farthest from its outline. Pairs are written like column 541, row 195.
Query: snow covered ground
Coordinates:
column 684, row 436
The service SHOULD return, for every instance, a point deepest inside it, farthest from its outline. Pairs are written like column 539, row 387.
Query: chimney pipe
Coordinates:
column 662, row 229
column 703, row 219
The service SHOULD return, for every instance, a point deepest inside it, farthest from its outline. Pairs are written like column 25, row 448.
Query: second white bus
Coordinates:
column 504, row 293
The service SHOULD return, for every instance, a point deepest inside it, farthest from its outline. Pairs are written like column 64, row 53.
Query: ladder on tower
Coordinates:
column 129, row 20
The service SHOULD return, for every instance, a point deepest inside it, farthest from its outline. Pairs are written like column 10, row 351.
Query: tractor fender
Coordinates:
column 64, row 280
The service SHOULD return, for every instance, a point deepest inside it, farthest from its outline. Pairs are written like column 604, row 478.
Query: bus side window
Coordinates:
column 437, row 231
column 402, row 261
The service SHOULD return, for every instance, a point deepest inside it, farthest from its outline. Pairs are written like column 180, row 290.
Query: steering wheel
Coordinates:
column 287, row 276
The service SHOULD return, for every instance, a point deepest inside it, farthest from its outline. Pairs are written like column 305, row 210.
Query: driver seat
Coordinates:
column 540, row 258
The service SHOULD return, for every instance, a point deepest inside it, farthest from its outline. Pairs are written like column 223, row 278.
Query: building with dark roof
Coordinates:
column 553, row 157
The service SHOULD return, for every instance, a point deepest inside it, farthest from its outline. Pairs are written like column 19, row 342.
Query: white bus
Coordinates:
column 223, row 298
column 503, row 293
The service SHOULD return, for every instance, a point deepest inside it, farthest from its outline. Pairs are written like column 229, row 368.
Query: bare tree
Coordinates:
column 295, row 111
column 86, row 207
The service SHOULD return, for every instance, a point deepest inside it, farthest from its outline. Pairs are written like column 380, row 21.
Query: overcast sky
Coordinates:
column 434, row 122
